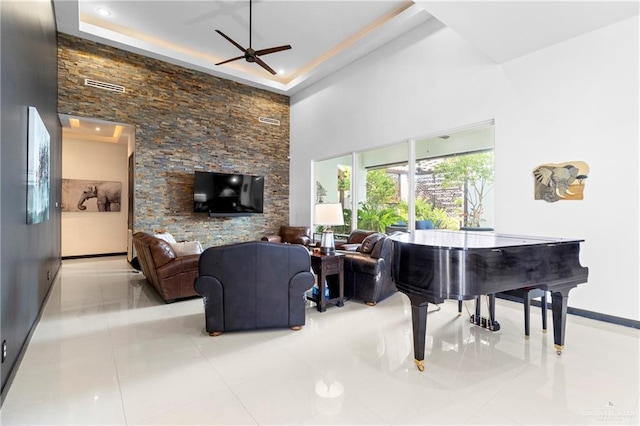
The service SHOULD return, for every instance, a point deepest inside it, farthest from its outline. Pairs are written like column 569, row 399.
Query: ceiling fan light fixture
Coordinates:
column 250, row 55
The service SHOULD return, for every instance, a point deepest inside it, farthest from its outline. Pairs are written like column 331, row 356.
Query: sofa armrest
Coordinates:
column 272, row 238
column 301, row 282
column 211, row 289
column 178, row 265
column 364, row 264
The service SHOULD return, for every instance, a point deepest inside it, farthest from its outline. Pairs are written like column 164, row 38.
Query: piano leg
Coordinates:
column 419, row 319
column 543, row 302
column 419, row 305
column 559, row 299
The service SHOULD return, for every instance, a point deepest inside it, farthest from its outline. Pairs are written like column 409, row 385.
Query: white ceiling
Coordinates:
column 325, row 35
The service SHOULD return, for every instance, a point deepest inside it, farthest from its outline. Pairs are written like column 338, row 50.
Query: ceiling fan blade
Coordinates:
column 272, row 50
column 231, row 41
column 230, row 60
column 265, row 66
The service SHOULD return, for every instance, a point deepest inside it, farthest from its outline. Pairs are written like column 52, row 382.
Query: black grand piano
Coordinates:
column 433, row 265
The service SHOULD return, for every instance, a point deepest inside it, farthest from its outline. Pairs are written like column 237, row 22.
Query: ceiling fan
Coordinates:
column 251, row 55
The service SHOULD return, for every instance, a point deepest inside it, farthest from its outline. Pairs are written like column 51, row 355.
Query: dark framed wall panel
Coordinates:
column 30, row 254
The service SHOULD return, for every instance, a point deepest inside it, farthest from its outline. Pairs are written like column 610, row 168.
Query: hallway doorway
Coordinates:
column 97, row 186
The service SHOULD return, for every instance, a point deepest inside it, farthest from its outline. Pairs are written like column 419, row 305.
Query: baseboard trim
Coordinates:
column 87, row 256
column 625, row 322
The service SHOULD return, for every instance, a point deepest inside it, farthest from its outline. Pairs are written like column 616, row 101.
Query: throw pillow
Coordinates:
column 166, row 237
column 186, row 248
column 369, row 242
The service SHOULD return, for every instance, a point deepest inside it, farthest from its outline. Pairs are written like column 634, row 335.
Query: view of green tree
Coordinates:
column 382, row 189
column 344, row 180
column 425, row 211
column 320, row 192
column 376, row 218
column 474, row 172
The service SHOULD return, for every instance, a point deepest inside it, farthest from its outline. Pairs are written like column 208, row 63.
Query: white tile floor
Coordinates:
column 108, row 351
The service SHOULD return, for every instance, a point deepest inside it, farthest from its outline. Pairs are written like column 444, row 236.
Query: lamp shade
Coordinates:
column 328, row 214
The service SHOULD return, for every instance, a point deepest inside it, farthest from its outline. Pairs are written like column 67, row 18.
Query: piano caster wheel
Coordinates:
column 420, row 364
column 559, row 349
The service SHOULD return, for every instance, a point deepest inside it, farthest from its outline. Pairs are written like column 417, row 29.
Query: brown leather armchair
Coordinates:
column 291, row 235
column 355, row 237
column 172, row 276
column 367, row 271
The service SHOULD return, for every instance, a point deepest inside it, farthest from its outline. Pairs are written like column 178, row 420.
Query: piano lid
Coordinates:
column 470, row 240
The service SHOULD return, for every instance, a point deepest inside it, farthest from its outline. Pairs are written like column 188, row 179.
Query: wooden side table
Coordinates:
column 324, row 265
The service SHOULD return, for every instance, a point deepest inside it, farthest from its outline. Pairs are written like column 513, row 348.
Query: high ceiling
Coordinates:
column 325, row 35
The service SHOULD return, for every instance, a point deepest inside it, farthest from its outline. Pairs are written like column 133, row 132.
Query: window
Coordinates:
column 449, row 186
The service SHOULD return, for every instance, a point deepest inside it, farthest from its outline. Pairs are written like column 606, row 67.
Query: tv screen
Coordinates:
column 225, row 194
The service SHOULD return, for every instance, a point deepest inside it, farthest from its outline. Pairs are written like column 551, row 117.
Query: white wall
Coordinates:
column 89, row 233
column 577, row 100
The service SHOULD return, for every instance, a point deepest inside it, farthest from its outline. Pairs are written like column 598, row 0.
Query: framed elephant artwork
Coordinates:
column 561, row 181
column 79, row 195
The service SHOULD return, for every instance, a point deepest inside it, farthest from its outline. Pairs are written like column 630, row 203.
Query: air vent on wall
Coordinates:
column 104, row 86
column 266, row 120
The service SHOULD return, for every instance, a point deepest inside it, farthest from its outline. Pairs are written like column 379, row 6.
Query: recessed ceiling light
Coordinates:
column 97, row 129
column 102, row 11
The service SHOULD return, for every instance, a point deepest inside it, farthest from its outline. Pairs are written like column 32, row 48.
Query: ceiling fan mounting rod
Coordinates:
column 250, row 36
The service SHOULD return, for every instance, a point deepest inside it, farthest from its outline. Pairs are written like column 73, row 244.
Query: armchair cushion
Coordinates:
column 185, row 248
column 181, row 248
column 370, row 242
column 165, row 236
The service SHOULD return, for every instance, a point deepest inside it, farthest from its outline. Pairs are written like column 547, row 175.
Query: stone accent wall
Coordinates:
column 185, row 121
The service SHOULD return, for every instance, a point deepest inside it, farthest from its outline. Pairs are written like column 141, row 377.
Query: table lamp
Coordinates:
column 328, row 215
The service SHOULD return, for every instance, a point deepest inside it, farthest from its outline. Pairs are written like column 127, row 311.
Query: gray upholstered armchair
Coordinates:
column 254, row 285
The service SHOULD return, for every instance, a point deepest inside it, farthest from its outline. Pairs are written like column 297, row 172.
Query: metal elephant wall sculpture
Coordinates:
column 562, row 181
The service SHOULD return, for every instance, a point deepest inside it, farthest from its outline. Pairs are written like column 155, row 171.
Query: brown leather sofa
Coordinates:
column 254, row 285
column 172, row 276
column 291, row 235
column 367, row 270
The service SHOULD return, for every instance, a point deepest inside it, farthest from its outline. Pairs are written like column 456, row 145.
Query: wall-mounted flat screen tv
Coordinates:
column 226, row 194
